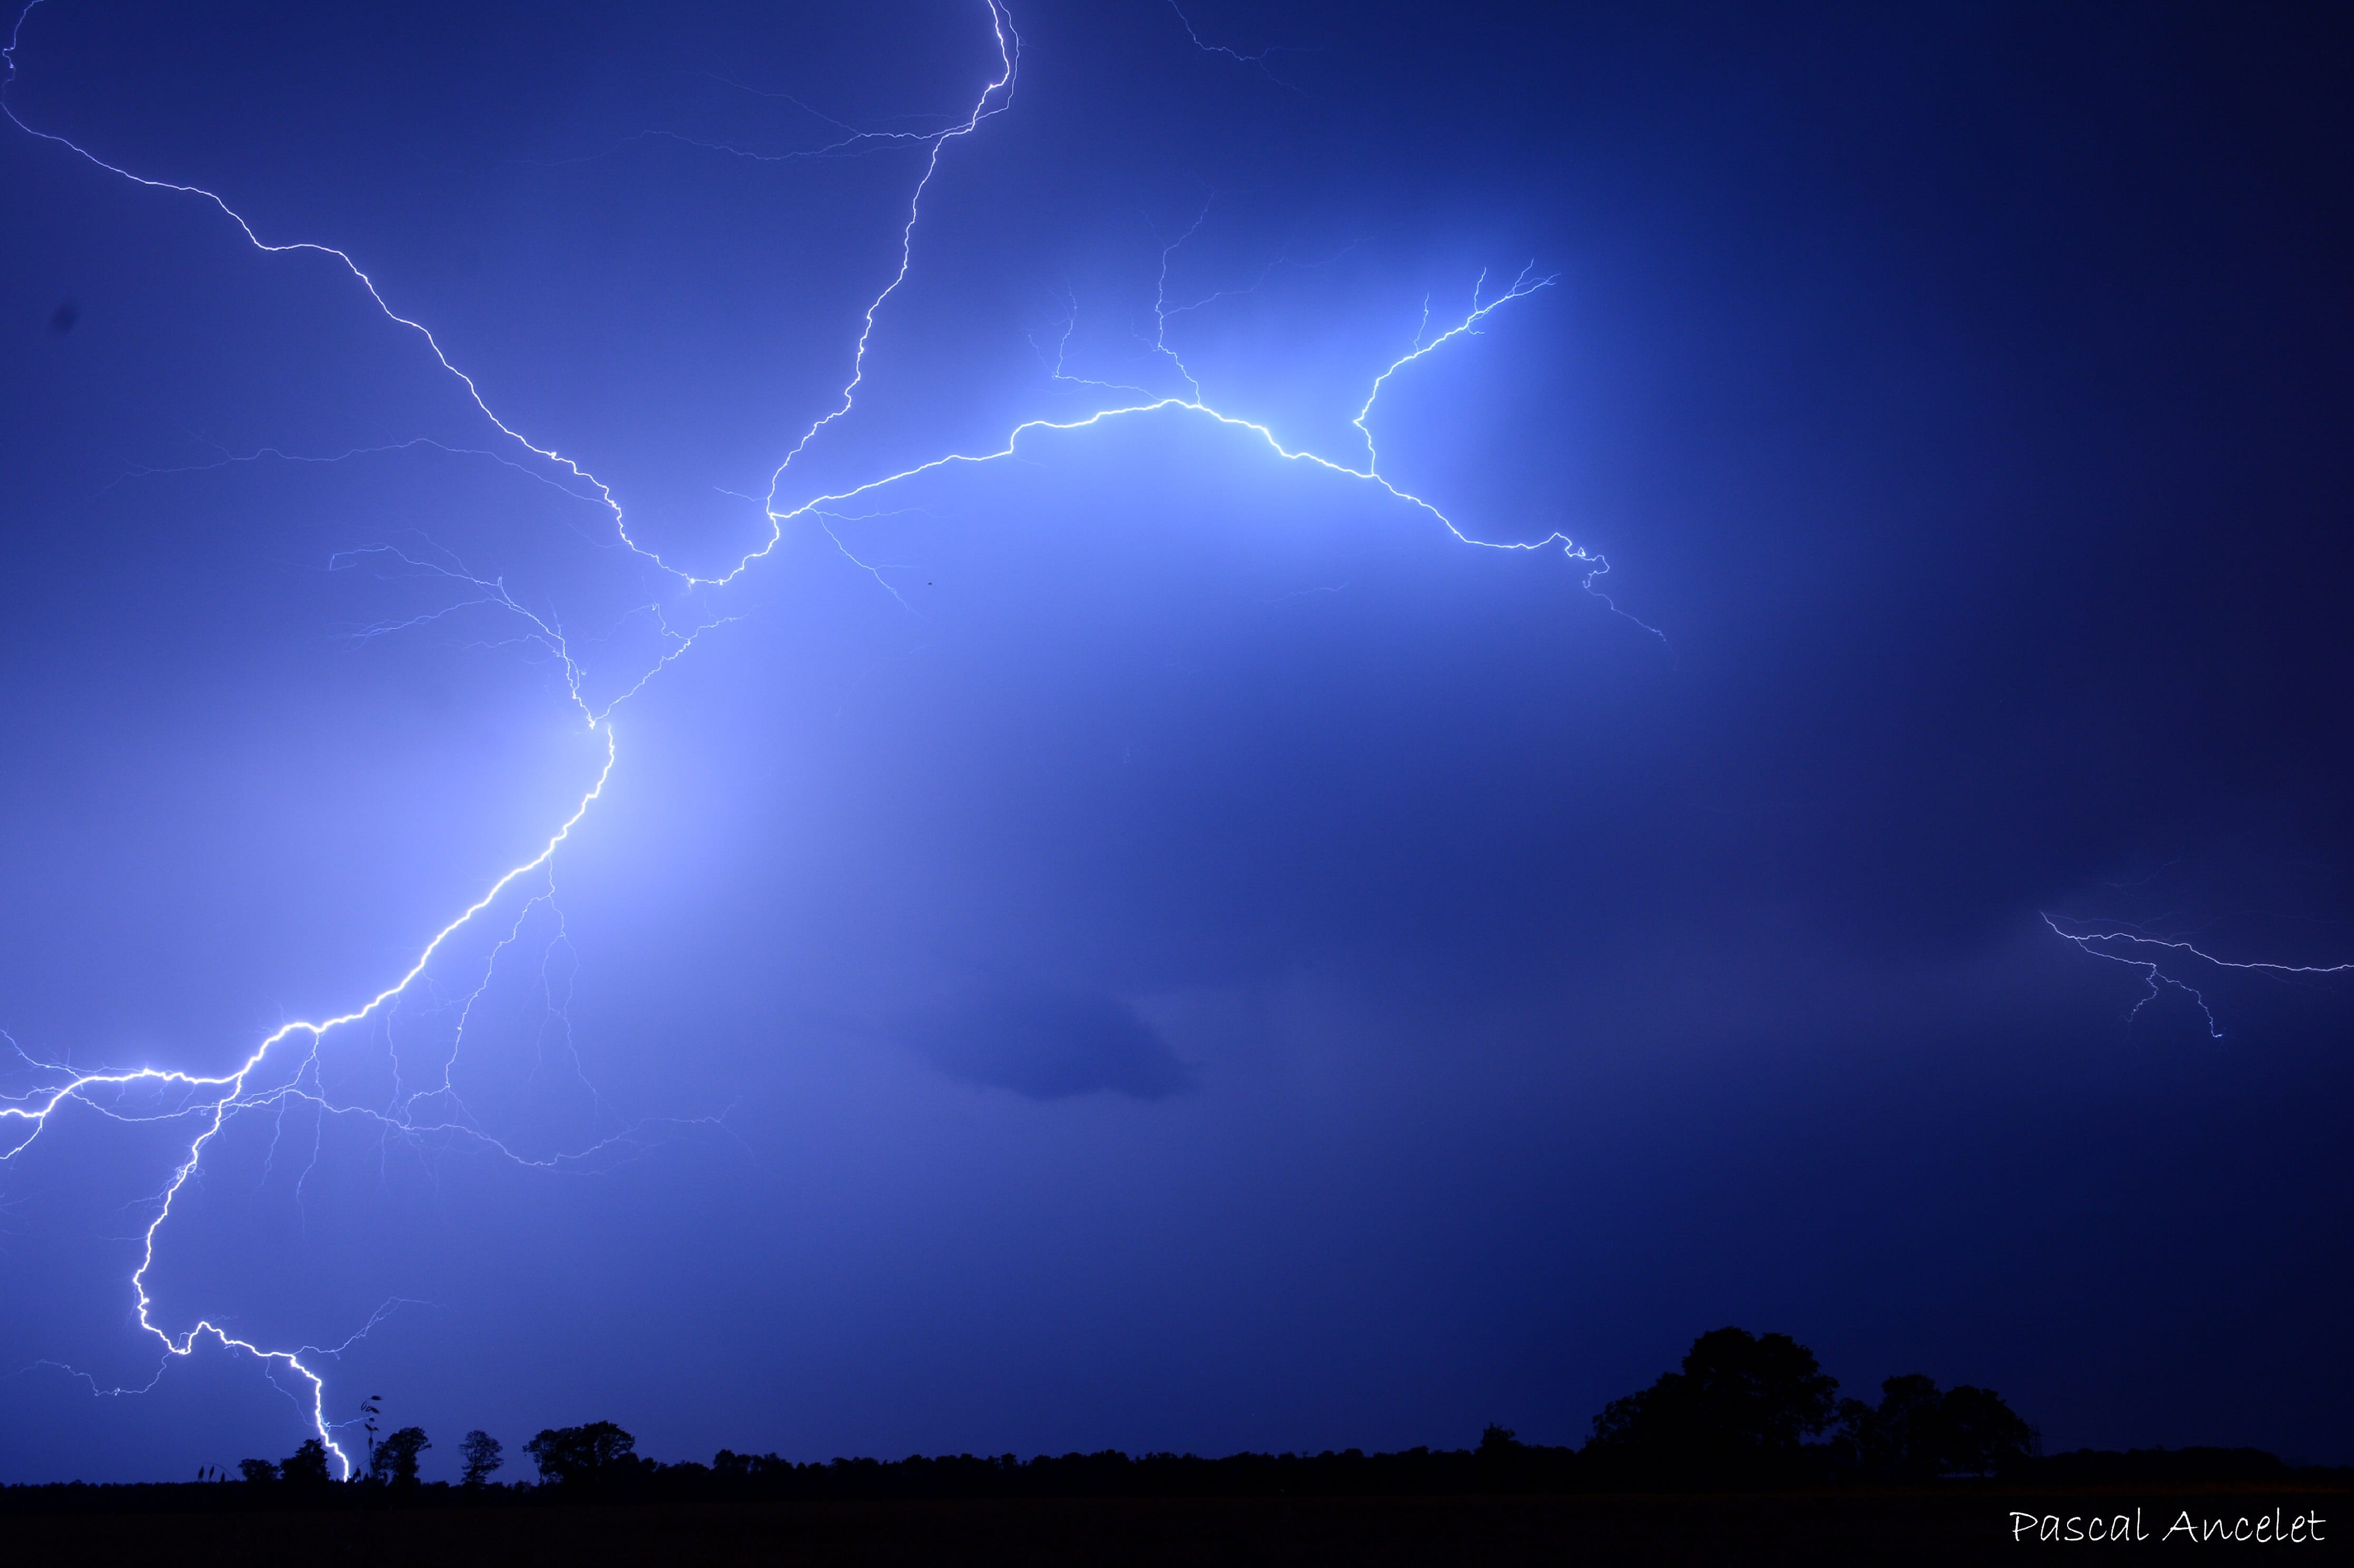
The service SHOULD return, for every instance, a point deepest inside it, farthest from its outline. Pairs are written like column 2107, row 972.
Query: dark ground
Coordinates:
column 1945, row 1526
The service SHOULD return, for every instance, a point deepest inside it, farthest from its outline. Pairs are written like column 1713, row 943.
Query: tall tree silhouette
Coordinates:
column 370, row 1408
column 394, row 1460
column 482, row 1453
column 1739, row 1412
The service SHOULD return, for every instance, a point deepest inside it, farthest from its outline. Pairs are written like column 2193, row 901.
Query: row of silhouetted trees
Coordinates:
column 1742, row 1410
column 391, row 1459
column 1752, row 1409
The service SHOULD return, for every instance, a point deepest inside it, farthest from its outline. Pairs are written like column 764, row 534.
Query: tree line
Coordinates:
column 1742, row 1411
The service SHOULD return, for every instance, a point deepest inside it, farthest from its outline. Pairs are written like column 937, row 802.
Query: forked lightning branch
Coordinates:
column 281, row 1067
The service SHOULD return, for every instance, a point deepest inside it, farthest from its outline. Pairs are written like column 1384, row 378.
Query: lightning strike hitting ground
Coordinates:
column 282, row 1067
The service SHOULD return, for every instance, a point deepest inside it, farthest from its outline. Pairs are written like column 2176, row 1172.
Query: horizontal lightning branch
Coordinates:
column 2138, row 950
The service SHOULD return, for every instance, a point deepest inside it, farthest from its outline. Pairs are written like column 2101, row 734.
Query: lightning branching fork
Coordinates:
column 282, row 1067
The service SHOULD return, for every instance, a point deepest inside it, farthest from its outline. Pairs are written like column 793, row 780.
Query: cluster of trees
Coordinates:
column 1751, row 1409
column 391, row 1459
column 1742, row 1410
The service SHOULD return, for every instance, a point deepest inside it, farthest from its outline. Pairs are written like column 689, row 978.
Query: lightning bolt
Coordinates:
column 2138, row 950
column 87, row 1087
column 1258, row 59
column 283, row 1066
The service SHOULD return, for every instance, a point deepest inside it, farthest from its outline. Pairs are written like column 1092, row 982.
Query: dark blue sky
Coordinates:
column 1142, row 943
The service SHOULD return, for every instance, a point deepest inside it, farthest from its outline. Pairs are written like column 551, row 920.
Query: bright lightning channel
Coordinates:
column 213, row 1101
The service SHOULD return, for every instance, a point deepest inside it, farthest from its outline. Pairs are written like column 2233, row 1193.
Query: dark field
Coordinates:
column 1922, row 1527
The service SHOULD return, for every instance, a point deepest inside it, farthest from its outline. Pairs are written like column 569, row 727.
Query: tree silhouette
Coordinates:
column 1917, row 1433
column 394, row 1460
column 307, row 1465
column 370, row 1408
column 483, row 1454
column 598, row 1453
column 1739, row 1412
column 1897, row 1441
column 257, row 1470
column 1983, row 1436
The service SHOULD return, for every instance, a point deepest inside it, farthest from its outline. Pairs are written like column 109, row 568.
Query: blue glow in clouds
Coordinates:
column 285, row 1068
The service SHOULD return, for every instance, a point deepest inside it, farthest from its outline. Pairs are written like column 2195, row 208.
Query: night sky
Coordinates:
column 1142, row 943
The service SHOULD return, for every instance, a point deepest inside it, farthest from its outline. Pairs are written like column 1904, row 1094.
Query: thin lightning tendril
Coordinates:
column 290, row 1051
column 2123, row 943
column 1258, row 59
